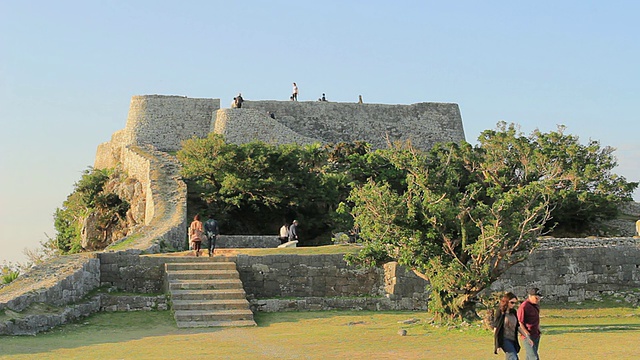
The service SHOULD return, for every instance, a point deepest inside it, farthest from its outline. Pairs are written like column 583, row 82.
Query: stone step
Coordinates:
column 219, row 294
column 211, row 305
column 199, row 259
column 219, row 265
column 231, row 323
column 205, row 284
column 202, row 274
column 212, row 315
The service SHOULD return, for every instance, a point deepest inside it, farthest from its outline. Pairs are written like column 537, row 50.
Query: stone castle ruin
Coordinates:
column 565, row 269
column 158, row 124
column 165, row 121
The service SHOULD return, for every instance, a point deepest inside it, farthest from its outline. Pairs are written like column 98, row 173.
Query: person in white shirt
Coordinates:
column 294, row 96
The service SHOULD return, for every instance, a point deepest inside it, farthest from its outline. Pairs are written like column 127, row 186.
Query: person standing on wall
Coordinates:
column 293, row 231
column 529, row 318
column 239, row 100
column 212, row 229
column 294, row 96
column 506, row 327
column 196, row 234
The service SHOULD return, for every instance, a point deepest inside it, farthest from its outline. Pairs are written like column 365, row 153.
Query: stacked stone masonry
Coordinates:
column 565, row 269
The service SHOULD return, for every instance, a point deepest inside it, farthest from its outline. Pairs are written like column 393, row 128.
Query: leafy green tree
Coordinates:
column 254, row 187
column 87, row 197
column 467, row 214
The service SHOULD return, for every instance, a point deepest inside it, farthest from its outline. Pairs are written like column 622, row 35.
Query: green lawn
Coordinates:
column 589, row 333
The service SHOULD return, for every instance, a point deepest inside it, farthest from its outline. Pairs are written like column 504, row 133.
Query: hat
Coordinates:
column 534, row 292
column 295, row 221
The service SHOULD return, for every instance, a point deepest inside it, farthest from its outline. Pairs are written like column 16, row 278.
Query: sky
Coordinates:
column 68, row 70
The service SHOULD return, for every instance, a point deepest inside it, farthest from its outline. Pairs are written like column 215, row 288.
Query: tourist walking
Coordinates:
column 294, row 96
column 212, row 230
column 196, row 234
column 506, row 328
column 293, row 231
column 529, row 318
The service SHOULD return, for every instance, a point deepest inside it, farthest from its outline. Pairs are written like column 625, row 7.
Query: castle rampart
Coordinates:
column 165, row 121
column 424, row 124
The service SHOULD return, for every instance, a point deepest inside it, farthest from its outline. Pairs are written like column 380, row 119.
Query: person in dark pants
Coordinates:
column 212, row 230
column 293, row 231
column 529, row 318
column 506, row 327
column 239, row 101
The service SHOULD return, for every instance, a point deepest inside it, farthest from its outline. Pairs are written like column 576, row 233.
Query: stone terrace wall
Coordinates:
column 326, row 282
column 246, row 241
column 576, row 269
column 59, row 281
column 423, row 123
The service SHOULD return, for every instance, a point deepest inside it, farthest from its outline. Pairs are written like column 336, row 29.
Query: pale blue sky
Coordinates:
column 69, row 68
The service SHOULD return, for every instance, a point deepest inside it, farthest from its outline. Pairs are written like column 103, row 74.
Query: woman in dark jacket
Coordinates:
column 506, row 327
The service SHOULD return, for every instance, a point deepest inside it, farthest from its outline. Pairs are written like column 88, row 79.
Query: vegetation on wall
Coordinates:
column 88, row 197
column 469, row 213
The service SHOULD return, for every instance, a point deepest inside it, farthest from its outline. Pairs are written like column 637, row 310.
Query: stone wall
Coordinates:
column 165, row 121
column 241, row 126
column 60, row 281
column 423, row 123
column 307, row 276
column 246, row 241
column 166, row 200
column 130, row 272
column 570, row 270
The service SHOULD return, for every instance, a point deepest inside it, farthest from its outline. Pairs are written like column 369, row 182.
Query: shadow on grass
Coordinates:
column 101, row 328
column 591, row 328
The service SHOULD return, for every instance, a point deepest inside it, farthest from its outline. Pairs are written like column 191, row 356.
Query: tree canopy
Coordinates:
column 469, row 213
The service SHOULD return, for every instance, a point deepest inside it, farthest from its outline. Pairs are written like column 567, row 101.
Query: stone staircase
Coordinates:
column 207, row 292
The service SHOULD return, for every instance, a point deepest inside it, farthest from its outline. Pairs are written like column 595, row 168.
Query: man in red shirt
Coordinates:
column 529, row 318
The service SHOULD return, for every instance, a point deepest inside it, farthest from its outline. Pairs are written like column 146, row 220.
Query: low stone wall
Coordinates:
column 130, row 272
column 33, row 324
column 60, row 281
column 338, row 303
column 326, row 282
column 112, row 303
column 246, row 241
column 571, row 270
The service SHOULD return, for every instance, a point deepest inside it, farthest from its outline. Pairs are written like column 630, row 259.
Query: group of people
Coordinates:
column 237, row 102
column 208, row 231
column 199, row 232
column 289, row 232
column 508, row 323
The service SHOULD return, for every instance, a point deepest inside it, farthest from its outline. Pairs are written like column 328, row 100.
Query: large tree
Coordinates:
column 467, row 213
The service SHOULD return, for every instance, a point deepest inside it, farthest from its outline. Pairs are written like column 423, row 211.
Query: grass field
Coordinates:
column 612, row 332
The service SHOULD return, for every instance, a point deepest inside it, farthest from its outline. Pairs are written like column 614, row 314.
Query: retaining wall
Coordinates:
column 570, row 270
column 246, row 241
